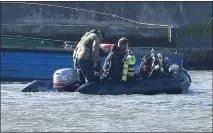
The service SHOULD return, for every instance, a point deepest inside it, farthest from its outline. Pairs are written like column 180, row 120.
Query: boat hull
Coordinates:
column 174, row 84
column 31, row 64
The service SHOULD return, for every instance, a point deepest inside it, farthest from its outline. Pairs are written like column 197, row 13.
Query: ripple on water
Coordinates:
column 55, row 111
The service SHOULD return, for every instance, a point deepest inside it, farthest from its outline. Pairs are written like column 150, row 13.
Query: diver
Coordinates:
column 160, row 66
column 163, row 62
column 113, row 65
column 166, row 64
column 157, row 68
column 146, row 66
column 86, row 55
column 151, row 66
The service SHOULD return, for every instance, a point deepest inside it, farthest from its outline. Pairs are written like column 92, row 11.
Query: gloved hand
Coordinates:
column 97, row 76
column 156, row 67
column 105, row 76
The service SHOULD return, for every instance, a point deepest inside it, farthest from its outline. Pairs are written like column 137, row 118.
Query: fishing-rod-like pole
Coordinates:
column 90, row 11
column 202, row 33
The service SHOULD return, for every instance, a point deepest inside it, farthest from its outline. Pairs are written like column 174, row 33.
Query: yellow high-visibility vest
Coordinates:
column 132, row 61
column 125, row 70
column 128, row 67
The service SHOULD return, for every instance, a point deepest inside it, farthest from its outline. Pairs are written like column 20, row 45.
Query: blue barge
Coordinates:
column 22, row 64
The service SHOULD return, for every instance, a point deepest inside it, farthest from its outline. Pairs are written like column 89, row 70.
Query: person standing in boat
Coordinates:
column 113, row 65
column 98, row 67
column 86, row 55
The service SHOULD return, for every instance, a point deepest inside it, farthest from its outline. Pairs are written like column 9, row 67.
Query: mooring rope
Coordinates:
column 90, row 11
column 206, row 26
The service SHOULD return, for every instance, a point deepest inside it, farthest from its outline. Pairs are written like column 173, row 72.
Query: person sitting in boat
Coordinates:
column 166, row 64
column 150, row 66
column 86, row 55
column 160, row 66
column 146, row 66
column 163, row 62
column 157, row 68
column 113, row 65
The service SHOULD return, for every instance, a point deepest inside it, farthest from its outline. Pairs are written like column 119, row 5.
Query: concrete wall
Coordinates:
column 48, row 21
column 200, row 59
column 171, row 13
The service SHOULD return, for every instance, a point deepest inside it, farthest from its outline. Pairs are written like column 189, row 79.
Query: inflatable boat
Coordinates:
column 175, row 82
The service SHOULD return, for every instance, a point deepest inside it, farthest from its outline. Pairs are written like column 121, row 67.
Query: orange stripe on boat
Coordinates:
column 106, row 45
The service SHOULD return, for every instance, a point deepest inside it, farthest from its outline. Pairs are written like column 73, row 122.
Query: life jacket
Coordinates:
column 128, row 68
column 86, row 40
column 84, row 47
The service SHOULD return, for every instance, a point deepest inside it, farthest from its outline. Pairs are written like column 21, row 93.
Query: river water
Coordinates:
column 56, row 111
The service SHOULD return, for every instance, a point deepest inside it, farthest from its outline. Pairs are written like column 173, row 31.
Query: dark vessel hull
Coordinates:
column 175, row 83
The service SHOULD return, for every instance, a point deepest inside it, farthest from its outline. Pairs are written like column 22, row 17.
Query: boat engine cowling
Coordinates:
column 63, row 77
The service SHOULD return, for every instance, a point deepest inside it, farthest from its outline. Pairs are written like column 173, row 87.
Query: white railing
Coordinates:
column 67, row 45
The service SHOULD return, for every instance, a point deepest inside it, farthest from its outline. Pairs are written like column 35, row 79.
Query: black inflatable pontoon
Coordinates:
column 175, row 83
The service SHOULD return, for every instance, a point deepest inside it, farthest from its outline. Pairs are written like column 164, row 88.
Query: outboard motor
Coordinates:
column 63, row 77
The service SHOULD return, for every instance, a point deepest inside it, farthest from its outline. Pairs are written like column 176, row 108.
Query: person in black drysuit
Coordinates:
column 113, row 65
column 145, row 68
column 160, row 66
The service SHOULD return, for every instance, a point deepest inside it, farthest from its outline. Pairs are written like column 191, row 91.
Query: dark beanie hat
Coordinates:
column 123, row 41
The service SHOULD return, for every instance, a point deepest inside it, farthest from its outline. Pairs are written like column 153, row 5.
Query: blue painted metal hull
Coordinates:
column 41, row 65
column 32, row 65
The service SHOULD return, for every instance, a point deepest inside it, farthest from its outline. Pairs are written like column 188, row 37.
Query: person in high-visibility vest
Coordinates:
column 113, row 65
column 131, row 67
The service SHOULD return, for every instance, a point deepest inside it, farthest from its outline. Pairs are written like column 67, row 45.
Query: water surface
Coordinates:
column 56, row 111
